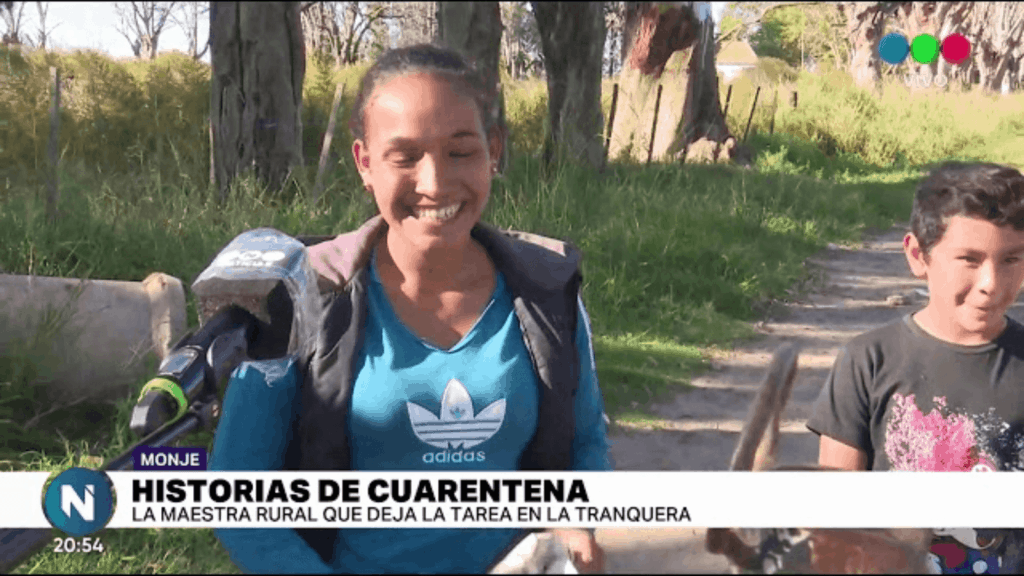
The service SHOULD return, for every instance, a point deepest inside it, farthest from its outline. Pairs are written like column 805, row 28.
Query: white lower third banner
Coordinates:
column 512, row 499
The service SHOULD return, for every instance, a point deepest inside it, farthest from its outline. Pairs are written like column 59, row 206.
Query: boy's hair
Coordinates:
column 434, row 60
column 978, row 189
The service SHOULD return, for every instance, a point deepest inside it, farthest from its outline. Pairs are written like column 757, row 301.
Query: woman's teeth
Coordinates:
column 439, row 215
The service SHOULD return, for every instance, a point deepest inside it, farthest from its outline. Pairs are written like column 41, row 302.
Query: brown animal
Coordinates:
column 805, row 551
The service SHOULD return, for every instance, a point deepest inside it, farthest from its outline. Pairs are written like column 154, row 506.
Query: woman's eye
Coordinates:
column 461, row 154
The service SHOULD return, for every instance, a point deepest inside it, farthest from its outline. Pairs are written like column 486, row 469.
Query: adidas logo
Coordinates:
column 457, row 426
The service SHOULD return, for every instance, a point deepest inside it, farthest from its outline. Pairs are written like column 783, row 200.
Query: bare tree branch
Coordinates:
column 141, row 23
column 340, row 28
column 186, row 17
column 12, row 13
column 43, row 33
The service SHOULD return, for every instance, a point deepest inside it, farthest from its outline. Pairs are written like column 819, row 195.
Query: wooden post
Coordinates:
column 775, row 107
column 213, row 173
column 654, row 124
column 751, row 117
column 611, row 121
column 728, row 96
column 339, row 93
column 794, row 98
column 53, row 149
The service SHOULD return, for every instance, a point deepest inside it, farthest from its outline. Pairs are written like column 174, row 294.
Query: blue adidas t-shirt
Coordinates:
column 414, row 407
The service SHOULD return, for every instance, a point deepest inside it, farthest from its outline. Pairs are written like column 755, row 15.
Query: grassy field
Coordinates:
column 678, row 259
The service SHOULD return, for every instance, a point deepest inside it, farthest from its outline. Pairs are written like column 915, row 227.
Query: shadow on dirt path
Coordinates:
column 862, row 288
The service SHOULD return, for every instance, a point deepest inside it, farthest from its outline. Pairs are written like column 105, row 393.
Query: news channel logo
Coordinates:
column 894, row 49
column 79, row 501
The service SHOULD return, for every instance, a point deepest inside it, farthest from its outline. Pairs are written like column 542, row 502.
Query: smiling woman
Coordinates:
column 445, row 343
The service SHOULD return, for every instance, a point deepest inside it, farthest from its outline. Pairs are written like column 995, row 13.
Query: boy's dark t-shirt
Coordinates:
column 914, row 402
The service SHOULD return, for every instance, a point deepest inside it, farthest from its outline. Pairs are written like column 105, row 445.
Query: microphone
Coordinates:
column 258, row 299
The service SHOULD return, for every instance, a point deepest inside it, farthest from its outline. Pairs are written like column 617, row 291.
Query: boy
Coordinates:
column 943, row 389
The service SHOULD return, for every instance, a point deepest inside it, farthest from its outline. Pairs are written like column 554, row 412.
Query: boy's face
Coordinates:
column 974, row 274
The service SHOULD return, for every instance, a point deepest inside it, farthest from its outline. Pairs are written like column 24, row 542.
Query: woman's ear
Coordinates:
column 915, row 256
column 495, row 146
column 362, row 158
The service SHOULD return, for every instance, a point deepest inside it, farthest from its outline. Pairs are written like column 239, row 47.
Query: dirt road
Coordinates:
column 862, row 288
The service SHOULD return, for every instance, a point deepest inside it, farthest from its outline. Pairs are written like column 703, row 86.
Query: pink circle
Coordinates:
column 955, row 48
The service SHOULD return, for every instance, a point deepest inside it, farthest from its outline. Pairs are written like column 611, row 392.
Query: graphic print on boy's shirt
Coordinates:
column 946, row 440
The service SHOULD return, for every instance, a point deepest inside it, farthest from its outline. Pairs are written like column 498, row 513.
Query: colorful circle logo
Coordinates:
column 894, row 48
column 79, row 501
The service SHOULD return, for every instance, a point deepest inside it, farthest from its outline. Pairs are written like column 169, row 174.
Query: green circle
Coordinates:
column 925, row 49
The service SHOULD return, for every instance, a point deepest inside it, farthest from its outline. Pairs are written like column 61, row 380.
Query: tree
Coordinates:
column 44, row 32
column 864, row 26
column 12, row 13
column 671, row 45
column 807, row 31
column 187, row 18
column 320, row 29
column 520, row 41
column 256, row 50
column 614, row 22
column 572, row 38
column 141, row 24
column 995, row 30
column 474, row 29
column 417, row 22
column 741, row 20
column 998, row 31
column 343, row 30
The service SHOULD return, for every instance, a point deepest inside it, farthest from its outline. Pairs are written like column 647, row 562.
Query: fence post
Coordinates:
column 794, row 98
column 751, row 117
column 611, row 121
column 339, row 93
column 53, row 149
column 213, row 173
column 654, row 124
column 775, row 108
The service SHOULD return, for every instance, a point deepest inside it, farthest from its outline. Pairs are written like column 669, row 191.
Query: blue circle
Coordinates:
column 79, row 501
column 893, row 48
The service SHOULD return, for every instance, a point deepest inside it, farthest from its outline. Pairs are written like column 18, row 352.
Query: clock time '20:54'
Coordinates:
column 77, row 545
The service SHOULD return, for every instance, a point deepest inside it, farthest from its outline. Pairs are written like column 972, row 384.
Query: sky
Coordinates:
column 92, row 25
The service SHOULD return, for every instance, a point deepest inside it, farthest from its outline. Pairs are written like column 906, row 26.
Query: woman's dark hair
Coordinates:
column 435, row 60
column 977, row 189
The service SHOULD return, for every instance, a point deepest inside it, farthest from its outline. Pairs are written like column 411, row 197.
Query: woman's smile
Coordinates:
column 436, row 215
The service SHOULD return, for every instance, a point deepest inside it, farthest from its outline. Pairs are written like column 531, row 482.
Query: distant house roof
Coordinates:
column 736, row 53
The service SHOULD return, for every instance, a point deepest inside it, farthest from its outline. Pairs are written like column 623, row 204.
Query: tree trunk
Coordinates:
column 147, row 47
column 672, row 47
column 634, row 12
column 256, row 90
column 572, row 40
column 864, row 26
column 474, row 29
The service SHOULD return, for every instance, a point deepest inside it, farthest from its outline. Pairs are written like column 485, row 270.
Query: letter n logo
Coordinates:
column 86, row 506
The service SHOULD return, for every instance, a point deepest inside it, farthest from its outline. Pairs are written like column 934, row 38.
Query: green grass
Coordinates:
column 678, row 260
